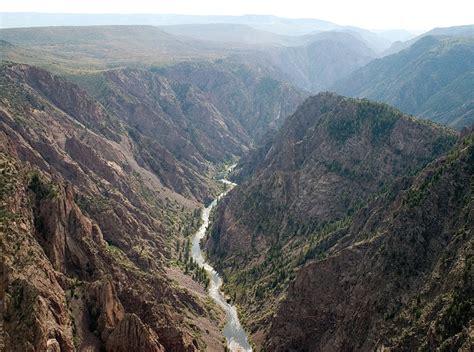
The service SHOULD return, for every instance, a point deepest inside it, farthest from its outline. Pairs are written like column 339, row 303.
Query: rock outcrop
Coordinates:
column 107, row 305
column 132, row 335
column 35, row 315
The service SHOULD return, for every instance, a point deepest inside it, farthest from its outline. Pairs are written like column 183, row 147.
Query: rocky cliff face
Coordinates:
column 53, row 258
column 401, row 275
column 66, row 287
column 131, row 335
column 187, row 116
column 35, row 313
column 87, row 229
column 94, row 136
column 181, row 117
column 242, row 93
column 107, row 183
column 326, row 161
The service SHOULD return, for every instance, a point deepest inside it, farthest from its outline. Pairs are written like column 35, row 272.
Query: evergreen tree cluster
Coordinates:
column 199, row 274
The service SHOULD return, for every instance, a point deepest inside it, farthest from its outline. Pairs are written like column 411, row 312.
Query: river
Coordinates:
column 233, row 331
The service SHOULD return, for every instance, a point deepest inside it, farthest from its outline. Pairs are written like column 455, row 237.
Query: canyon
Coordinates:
column 193, row 187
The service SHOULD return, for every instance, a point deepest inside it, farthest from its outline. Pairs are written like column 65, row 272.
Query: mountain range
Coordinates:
column 274, row 24
column 344, row 60
column 350, row 224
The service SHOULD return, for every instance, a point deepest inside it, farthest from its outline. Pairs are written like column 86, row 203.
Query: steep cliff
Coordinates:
column 88, row 230
column 71, row 122
column 400, row 276
column 327, row 160
column 242, row 93
column 54, row 258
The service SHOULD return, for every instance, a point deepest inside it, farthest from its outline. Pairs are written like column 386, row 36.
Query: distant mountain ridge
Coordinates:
column 273, row 24
column 230, row 33
column 455, row 31
column 433, row 79
column 316, row 64
column 311, row 62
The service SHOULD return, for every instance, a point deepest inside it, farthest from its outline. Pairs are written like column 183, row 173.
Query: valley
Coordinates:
column 234, row 183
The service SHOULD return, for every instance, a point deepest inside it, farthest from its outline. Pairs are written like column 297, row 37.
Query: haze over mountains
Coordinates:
column 351, row 224
column 314, row 55
column 274, row 24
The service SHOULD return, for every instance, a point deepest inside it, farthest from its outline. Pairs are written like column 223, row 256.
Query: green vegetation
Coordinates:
column 40, row 188
column 198, row 273
column 182, row 248
column 458, row 314
column 465, row 150
column 417, row 194
column 341, row 129
column 313, row 247
column 380, row 118
column 190, row 267
column 461, row 309
column 125, row 262
column 262, row 282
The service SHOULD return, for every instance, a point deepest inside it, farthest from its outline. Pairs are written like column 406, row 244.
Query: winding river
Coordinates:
column 233, row 331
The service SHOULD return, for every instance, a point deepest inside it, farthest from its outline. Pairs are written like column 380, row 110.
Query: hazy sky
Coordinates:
column 373, row 14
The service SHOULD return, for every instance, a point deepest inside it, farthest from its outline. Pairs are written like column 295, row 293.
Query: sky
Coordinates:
column 371, row 14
